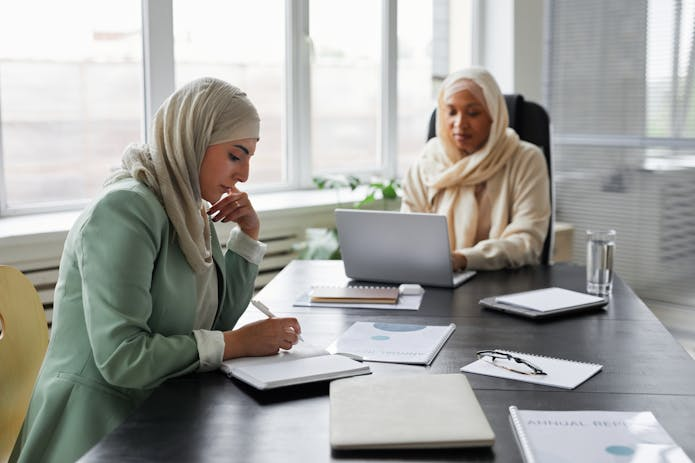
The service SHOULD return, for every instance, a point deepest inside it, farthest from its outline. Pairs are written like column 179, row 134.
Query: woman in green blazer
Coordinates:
column 144, row 291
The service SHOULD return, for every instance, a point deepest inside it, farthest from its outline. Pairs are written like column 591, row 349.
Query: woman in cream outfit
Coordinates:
column 492, row 187
column 144, row 291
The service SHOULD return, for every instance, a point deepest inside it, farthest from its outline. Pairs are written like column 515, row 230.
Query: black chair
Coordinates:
column 532, row 123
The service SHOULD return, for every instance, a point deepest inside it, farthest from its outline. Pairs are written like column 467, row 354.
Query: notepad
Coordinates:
column 406, row 412
column 355, row 294
column 543, row 302
column 405, row 302
column 592, row 435
column 566, row 374
column 392, row 342
column 302, row 364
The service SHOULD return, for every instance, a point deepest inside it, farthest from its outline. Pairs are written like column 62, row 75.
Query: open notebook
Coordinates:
column 302, row 364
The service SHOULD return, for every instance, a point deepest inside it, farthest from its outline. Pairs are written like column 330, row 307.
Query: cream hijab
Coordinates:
column 451, row 175
column 204, row 112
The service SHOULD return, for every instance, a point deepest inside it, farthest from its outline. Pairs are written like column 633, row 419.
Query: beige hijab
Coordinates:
column 204, row 112
column 450, row 174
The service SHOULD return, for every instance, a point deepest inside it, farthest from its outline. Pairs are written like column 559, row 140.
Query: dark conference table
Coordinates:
column 207, row 417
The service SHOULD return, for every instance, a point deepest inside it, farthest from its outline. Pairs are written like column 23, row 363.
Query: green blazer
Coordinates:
column 123, row 319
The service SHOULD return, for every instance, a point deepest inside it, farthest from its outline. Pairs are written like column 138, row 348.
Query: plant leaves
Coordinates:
column 353, row 182
column 368, row 199
column 389, row 192
column 320, row 243
column 320, row 182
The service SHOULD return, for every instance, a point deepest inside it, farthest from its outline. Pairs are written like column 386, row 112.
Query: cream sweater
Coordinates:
column 516, row 202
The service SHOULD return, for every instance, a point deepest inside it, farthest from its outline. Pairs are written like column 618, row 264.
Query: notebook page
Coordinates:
column 300, row 350
column 548, row 299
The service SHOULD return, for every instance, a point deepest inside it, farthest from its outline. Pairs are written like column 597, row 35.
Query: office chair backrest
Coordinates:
column 23, row 343
column 532, row 123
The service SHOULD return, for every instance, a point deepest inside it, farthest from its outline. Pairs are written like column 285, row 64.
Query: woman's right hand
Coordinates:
column 458, row 261
column 263, row 337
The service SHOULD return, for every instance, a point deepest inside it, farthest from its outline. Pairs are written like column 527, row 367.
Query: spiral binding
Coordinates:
column 520, row 435
column 354, row 286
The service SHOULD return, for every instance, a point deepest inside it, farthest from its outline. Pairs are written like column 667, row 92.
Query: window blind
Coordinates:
column 620, row 91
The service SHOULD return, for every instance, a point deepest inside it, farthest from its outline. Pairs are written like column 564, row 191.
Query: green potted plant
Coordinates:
column 322, row 243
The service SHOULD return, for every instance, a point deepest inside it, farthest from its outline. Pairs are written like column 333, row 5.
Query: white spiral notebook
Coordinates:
column 402, row 302
column 566, row 374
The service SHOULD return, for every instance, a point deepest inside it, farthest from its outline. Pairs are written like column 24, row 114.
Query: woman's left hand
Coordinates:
column 237, row 207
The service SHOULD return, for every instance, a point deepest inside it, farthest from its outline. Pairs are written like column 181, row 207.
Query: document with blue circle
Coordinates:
column 392, row 342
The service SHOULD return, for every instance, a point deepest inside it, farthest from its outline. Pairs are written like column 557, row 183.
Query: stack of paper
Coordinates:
column 355, row 294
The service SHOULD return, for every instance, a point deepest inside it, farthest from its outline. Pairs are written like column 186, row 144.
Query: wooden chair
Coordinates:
column 23, row 343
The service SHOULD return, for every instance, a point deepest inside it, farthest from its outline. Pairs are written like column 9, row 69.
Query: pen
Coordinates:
column 264, row 308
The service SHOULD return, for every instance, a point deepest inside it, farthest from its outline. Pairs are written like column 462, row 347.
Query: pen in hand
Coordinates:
column 263, row 308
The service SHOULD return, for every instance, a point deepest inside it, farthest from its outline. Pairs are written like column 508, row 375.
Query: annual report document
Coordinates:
column 547, row 436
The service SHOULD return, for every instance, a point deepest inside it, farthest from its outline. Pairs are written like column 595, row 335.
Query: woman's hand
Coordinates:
column 458, row 261
column 263, row 337
column 237, row 207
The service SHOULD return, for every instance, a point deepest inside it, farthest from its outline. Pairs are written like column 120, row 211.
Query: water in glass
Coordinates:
column 599, row 265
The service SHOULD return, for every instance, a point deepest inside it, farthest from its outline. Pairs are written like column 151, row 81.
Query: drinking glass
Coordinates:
column 600, row 249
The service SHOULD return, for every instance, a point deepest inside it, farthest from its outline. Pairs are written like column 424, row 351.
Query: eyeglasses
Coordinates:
column 496, row 358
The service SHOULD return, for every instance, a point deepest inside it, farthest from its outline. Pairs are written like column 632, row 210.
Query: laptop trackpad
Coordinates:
column 462, row 277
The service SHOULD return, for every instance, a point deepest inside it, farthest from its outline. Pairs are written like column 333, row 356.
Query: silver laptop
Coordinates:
column 397, row 247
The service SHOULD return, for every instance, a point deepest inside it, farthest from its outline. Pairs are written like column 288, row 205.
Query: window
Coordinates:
column 70, row 97
column 416, row 88
column 345, row 78
column 242, row 43
column 621, row 95
column 341, row 86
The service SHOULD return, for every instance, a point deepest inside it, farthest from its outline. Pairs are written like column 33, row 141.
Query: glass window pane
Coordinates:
column 415, row 86
column 670, row 83
column 243, row 43
column 70, row 95
column 621, row 93
column 345, row 77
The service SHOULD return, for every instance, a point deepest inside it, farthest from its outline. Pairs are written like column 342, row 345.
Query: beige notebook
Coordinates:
column 364, row 294
column 406, row 411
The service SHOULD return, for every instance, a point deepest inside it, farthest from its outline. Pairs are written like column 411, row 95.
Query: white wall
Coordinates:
column 507, row 39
